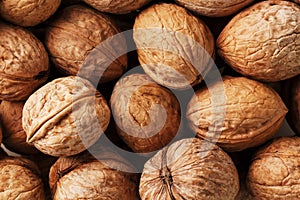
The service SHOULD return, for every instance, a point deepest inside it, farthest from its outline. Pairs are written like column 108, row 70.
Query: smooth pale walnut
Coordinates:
column 84, row 42
column 28, row 12
column 237, row 113
column 262, row 41
column 147, row 115
column 20, row 179
column 275, row 172
column 65, row 116
column 214, row 8
column 174, row 47
column 189, row 169
column 117, row 6
column 24, row 63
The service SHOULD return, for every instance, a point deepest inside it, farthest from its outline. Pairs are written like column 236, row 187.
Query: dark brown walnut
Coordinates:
column 20, row 179
column 28, row 12
column 296, row 1
column 24, row 63
column 147, row 115
column 267, row 48
column 1, row 132
column 80, row 42
column 65, row 116
column 237, row 113
column 174, row 47
column 275, row 170
column 214, row 8
column 189, row 169
column 117, row 6
column 14, row 137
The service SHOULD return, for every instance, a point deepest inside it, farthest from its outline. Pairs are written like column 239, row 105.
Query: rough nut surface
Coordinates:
column 65, row 116
column 28, row 12
column 189, row 169
column 147, row 115
column 214, row 8
column 19, row 179
column 78, row 44
column 275, row 170
column 267, row 47
column 24, row 63
column 174, row 47
column 250, row 115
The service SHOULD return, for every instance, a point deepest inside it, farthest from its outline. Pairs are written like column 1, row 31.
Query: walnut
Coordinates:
column 147, row 115
column 65, row 116
column 274, row 172
column 80, row 43
column 174, row 47
column 250, row 114
column 24, row 63
column 214, row 8
column 189, row 169
column 20, row 179
column 266, row 48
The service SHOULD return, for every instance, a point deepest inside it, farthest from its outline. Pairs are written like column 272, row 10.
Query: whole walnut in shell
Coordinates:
column 237, row 113
column 189, row 169
column 275, row 170
column 65, row 116
column 174, row 47
column 28, row 12
column 20, row 179
column 214, row 8
column 262, row 41
column 24, row 63
column 84, row 42
column 147, row 115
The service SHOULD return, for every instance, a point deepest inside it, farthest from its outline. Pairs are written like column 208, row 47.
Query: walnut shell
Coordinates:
column 78, row 44
column 24, row 63
column 250, row 114
column 274, row 172
column 117, row 6
column 174, row 47
column 147, row 115
column 28, row 12
column 267, row 49
column 189, row 169
column 65, row 116
column 19, row 179
column 214, row 8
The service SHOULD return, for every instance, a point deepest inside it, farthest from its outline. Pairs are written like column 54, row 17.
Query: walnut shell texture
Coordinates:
column 275, row 172
column 73, row 40
column 28, row 12
column 147, row 115
column 189, row 169
column 24, row 63
column 267, row 49
column 214, row 8
column 69, row 116
column 174, row 47
column 251, row 114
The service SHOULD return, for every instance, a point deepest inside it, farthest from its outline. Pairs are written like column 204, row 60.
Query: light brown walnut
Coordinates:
column 263, row 41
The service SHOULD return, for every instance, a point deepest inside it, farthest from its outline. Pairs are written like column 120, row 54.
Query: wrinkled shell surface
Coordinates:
column 267, row 48
column 28, row 12
column 275, row 170
column 65, row 116
column 75, row 40
column 174, row 47
column 147, row 115
column 117, row 6
column 250, row 114
column 24, row 63
column 214, row 8
column 189, row 169
column 19, row 179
